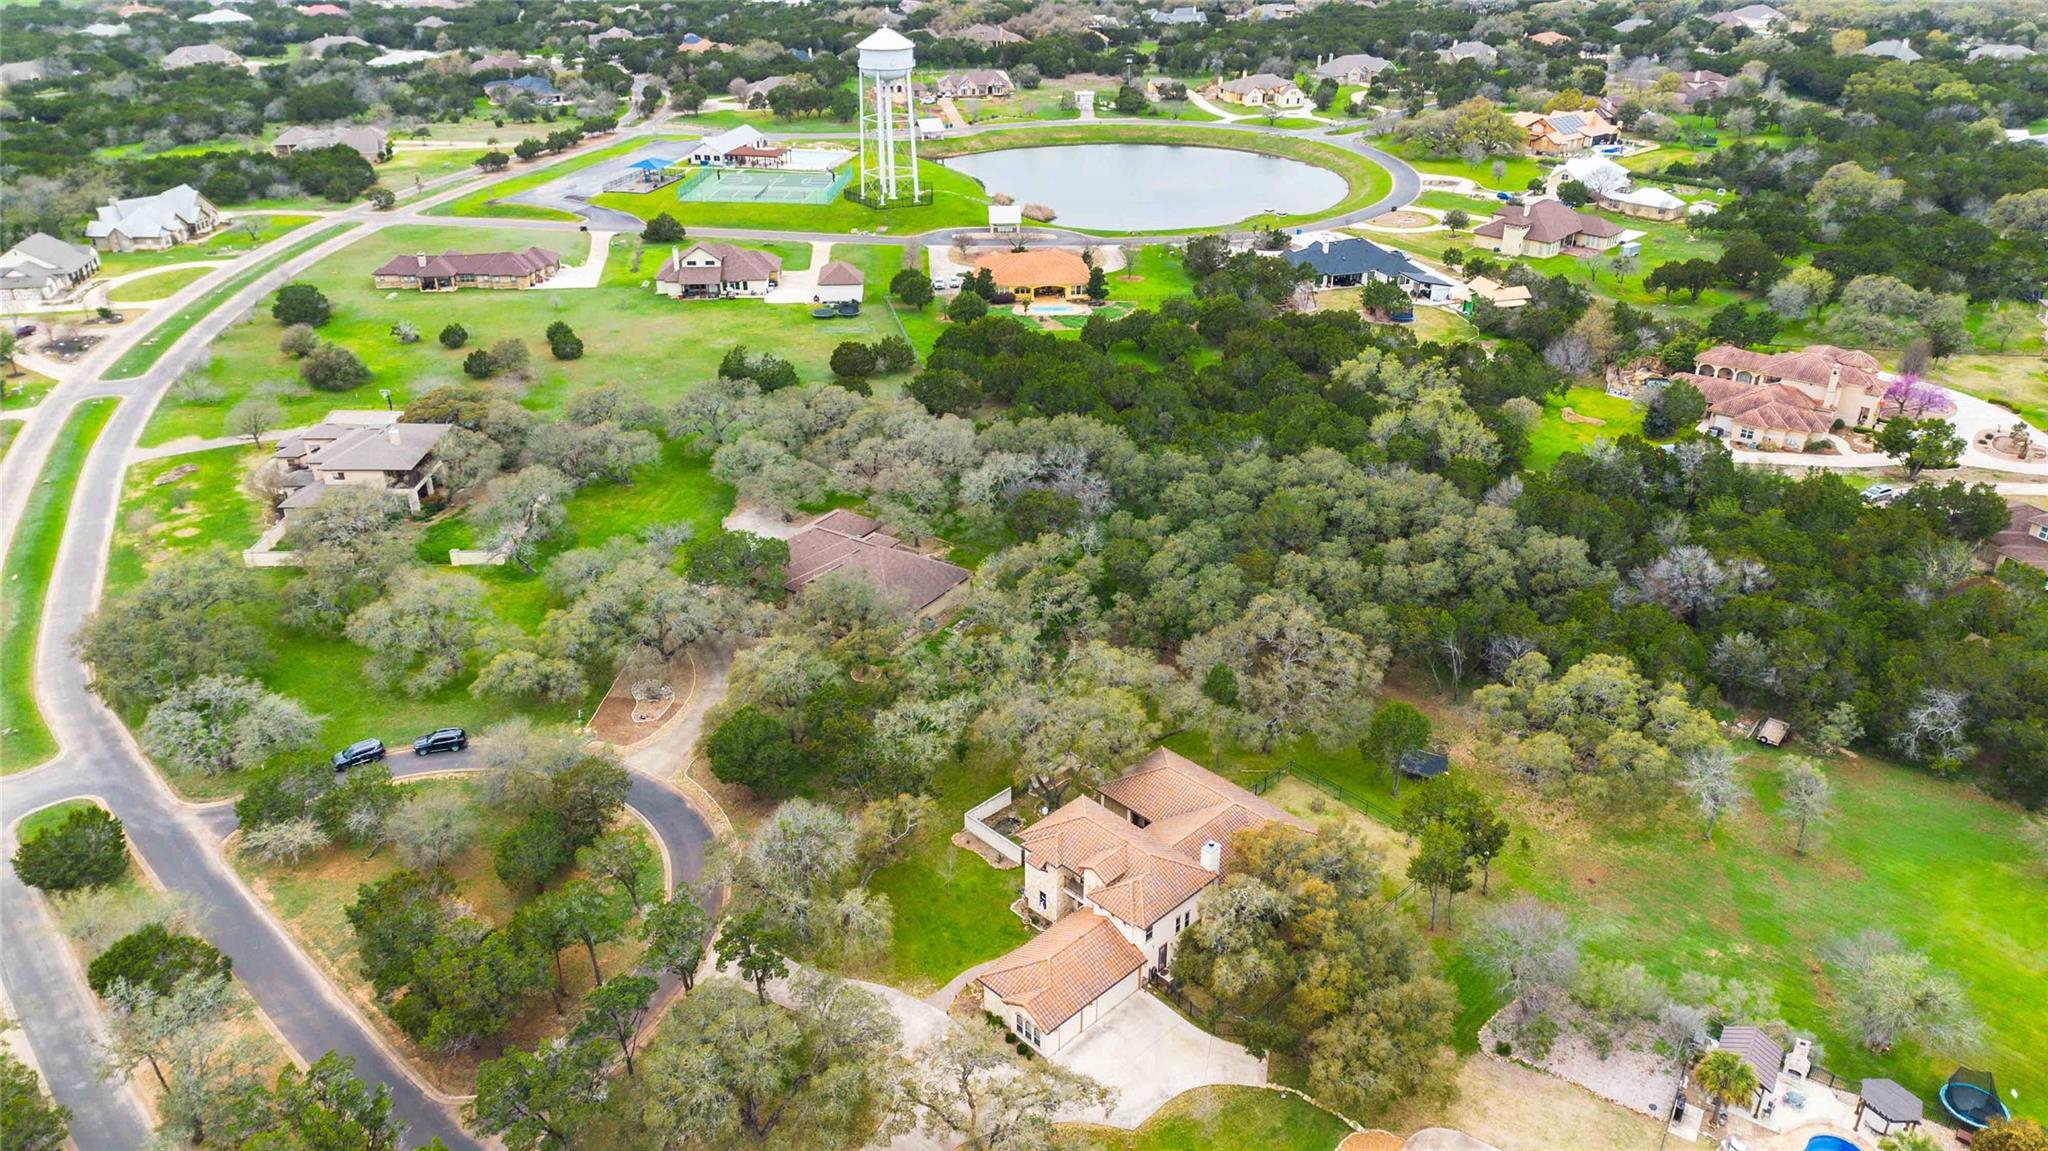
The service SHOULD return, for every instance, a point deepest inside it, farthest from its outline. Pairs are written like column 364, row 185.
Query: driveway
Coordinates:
column 591, row 270
column 1444, row 1139
column 1150, row 1054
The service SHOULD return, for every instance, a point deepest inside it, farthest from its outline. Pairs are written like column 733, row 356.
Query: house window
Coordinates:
column 1148, row 935
column 1041, row 901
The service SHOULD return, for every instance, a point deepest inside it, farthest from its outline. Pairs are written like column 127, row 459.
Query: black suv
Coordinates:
column 446, row 739
column 358, row 753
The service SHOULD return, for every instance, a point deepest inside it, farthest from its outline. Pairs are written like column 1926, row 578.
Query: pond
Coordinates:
column 1150, row 187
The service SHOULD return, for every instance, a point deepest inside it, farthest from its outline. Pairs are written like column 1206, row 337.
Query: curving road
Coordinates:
column 180, row 843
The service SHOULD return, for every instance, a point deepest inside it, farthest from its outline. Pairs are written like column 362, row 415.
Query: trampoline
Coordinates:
column 1972, row 1097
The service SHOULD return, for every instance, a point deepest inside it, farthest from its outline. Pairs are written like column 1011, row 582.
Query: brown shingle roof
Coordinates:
column 1757, row 1049
column 1035, row 268
column 840, row 274
column 1549, row 222
column 1890, row 1100
column 529, row 262
column 734, row 264
column 843, row 541
column 1065, row 968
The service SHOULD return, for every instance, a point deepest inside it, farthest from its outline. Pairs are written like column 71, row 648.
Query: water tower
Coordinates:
column 888, row 138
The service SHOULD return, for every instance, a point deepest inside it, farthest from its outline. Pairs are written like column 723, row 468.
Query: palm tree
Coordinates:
column 1724, row 1077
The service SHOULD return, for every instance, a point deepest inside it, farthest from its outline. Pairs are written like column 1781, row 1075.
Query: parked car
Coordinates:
column 1880, row 494
column 444, row 739
column 24, row 331
column 357, row 754
column 1503, row 197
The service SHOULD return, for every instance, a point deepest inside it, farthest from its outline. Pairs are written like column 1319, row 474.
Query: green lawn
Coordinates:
column 952, row 908
column 158, row 285
column 957, row 201
column 1367, row 181
column 1225, row 1119
column 409, row 165
column 655, row 346
column 1553, row 437
column 1516, row 171
column 8, row 430
column 2019, row 383
column 486, row 201
column 25, row 580
column 191, row 511
column 23, row 389
column 143, row 356
column 49, row 818
column 236, row 239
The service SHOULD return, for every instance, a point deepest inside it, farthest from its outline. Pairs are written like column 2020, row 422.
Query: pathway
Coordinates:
column 591, row 271
column 1202, row 102
column 801, row 287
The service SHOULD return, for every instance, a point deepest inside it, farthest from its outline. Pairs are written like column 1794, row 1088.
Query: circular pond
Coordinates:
column 1152, row 187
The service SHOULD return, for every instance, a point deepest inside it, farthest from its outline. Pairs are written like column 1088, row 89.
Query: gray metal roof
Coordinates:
column 1890, row 1100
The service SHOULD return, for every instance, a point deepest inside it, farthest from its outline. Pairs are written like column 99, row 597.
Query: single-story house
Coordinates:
column 1261, row 90
column 1785, row 398
column 2000, row 52
column 1485, row 53
column 432, row 24
column 1185, row 14
column 153, row 223
column 986, row 35
column 320, row 46
column 1115, row 877
column 43, row 269
column 1561, row 133
column 841, row 540
column 1698, row 85
column 198, row 56
column 979, row 83
column 1599, row 174
column 1631, row 24
column 221, row 16
column 611, row 34
column 453, row 271
column 1353, row 68
column 1891, row 50
column 1758, row 18
column 538, row 89
column 739, row 147
column 370, row 142
column 1546, row 227
column 1645, row 204
column 322, row 10
column 711, row 271
column 498, row 62
column 1037, row 272
column 370, row 449
column 1353, row 261
column 1549, row 39
column 839, row 283
column 105, row 31
column 754, row 93
column 693, row 43
column 401, row 57
column 1506, row 297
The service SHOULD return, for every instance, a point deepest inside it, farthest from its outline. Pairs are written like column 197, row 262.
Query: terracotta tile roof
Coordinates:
column 1141, row 879
column 1188, row 805
column 1035, row 268
column 1068, row 966
column 1773, row 407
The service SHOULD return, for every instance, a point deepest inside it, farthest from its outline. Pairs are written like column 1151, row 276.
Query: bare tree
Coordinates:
column 1710, row 778
column 1530, row 950
column 1809, row 799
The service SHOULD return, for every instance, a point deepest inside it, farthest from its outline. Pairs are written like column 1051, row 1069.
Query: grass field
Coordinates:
column 231, row 241
column 23, row 389
column 310, row 897
column 1225, row 1119
column 8, row 430
column 1367, row 181
column 25, row 580
column 2019, row 383
column 1553, row 436
column 957, row 201
column 1516, row 171
column 636, row 339
column 143, row 356
column 158, row 285
column 408, row 165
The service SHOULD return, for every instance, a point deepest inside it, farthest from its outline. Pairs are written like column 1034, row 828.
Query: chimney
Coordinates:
column 1212, row 856
column 1834, row 392
column 391, row 434
column 421, row 257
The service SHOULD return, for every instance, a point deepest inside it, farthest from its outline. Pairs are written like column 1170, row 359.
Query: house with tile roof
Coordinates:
column 1546, row 227
column 1116, row 878
column 712, row 271
column 454, row 271
column 364, row 449
column 42, row 269
column 153, row 223
column 1549, row 39
column 1037, row 272
column 846, row 541
column 1784, row 399
column 1260, row 90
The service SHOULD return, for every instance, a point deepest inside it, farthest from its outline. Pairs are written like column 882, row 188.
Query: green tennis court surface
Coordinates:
column 757, row 186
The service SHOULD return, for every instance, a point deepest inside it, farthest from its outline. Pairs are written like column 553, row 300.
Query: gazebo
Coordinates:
column 1888, row 1103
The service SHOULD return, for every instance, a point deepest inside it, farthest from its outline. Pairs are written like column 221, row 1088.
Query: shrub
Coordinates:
column 155, row 957
column 912, row 287
column 383, row 199
column 298, row 341
column 663, row 229
column 333, row 368
column 405, row 332
column 477, row 365
column 454, row 336
column 88, row 849
column 966, row 308
column 853, row 360
column 301, row 304
column 566, row 348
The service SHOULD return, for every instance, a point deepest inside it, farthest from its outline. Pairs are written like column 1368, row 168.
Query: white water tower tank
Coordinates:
column 886, row 55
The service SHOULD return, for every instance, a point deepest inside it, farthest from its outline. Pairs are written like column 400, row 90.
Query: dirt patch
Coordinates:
column 1517, row 1109
column 174, row 475
column 1372, row 1141
column 967, row 842
column 622, row 721
column 1403, row 220
column 1572, row 417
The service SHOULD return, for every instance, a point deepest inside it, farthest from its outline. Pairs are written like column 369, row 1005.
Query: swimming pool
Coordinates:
column 1830, row 1143
column 1056, row 309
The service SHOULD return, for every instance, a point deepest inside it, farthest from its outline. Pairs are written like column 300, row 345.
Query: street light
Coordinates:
column 386, row 393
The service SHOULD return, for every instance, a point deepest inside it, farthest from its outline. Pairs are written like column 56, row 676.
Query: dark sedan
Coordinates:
column 446, row 739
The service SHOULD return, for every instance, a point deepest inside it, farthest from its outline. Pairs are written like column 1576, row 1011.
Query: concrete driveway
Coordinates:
column 1150, row 1054
column 1444, row 1139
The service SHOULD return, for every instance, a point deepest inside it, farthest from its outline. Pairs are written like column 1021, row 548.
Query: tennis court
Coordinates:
column 762, row 186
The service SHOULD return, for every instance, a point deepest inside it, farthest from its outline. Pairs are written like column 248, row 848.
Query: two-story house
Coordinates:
column 362, row 448
column 1117, row 878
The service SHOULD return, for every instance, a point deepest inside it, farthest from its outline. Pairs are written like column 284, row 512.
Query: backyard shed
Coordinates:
column 1773, row 732
column 1763, row 1055
column 1888, row 1104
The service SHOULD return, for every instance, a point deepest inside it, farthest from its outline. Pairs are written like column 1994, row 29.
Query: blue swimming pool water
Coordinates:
column 1830, row 1143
